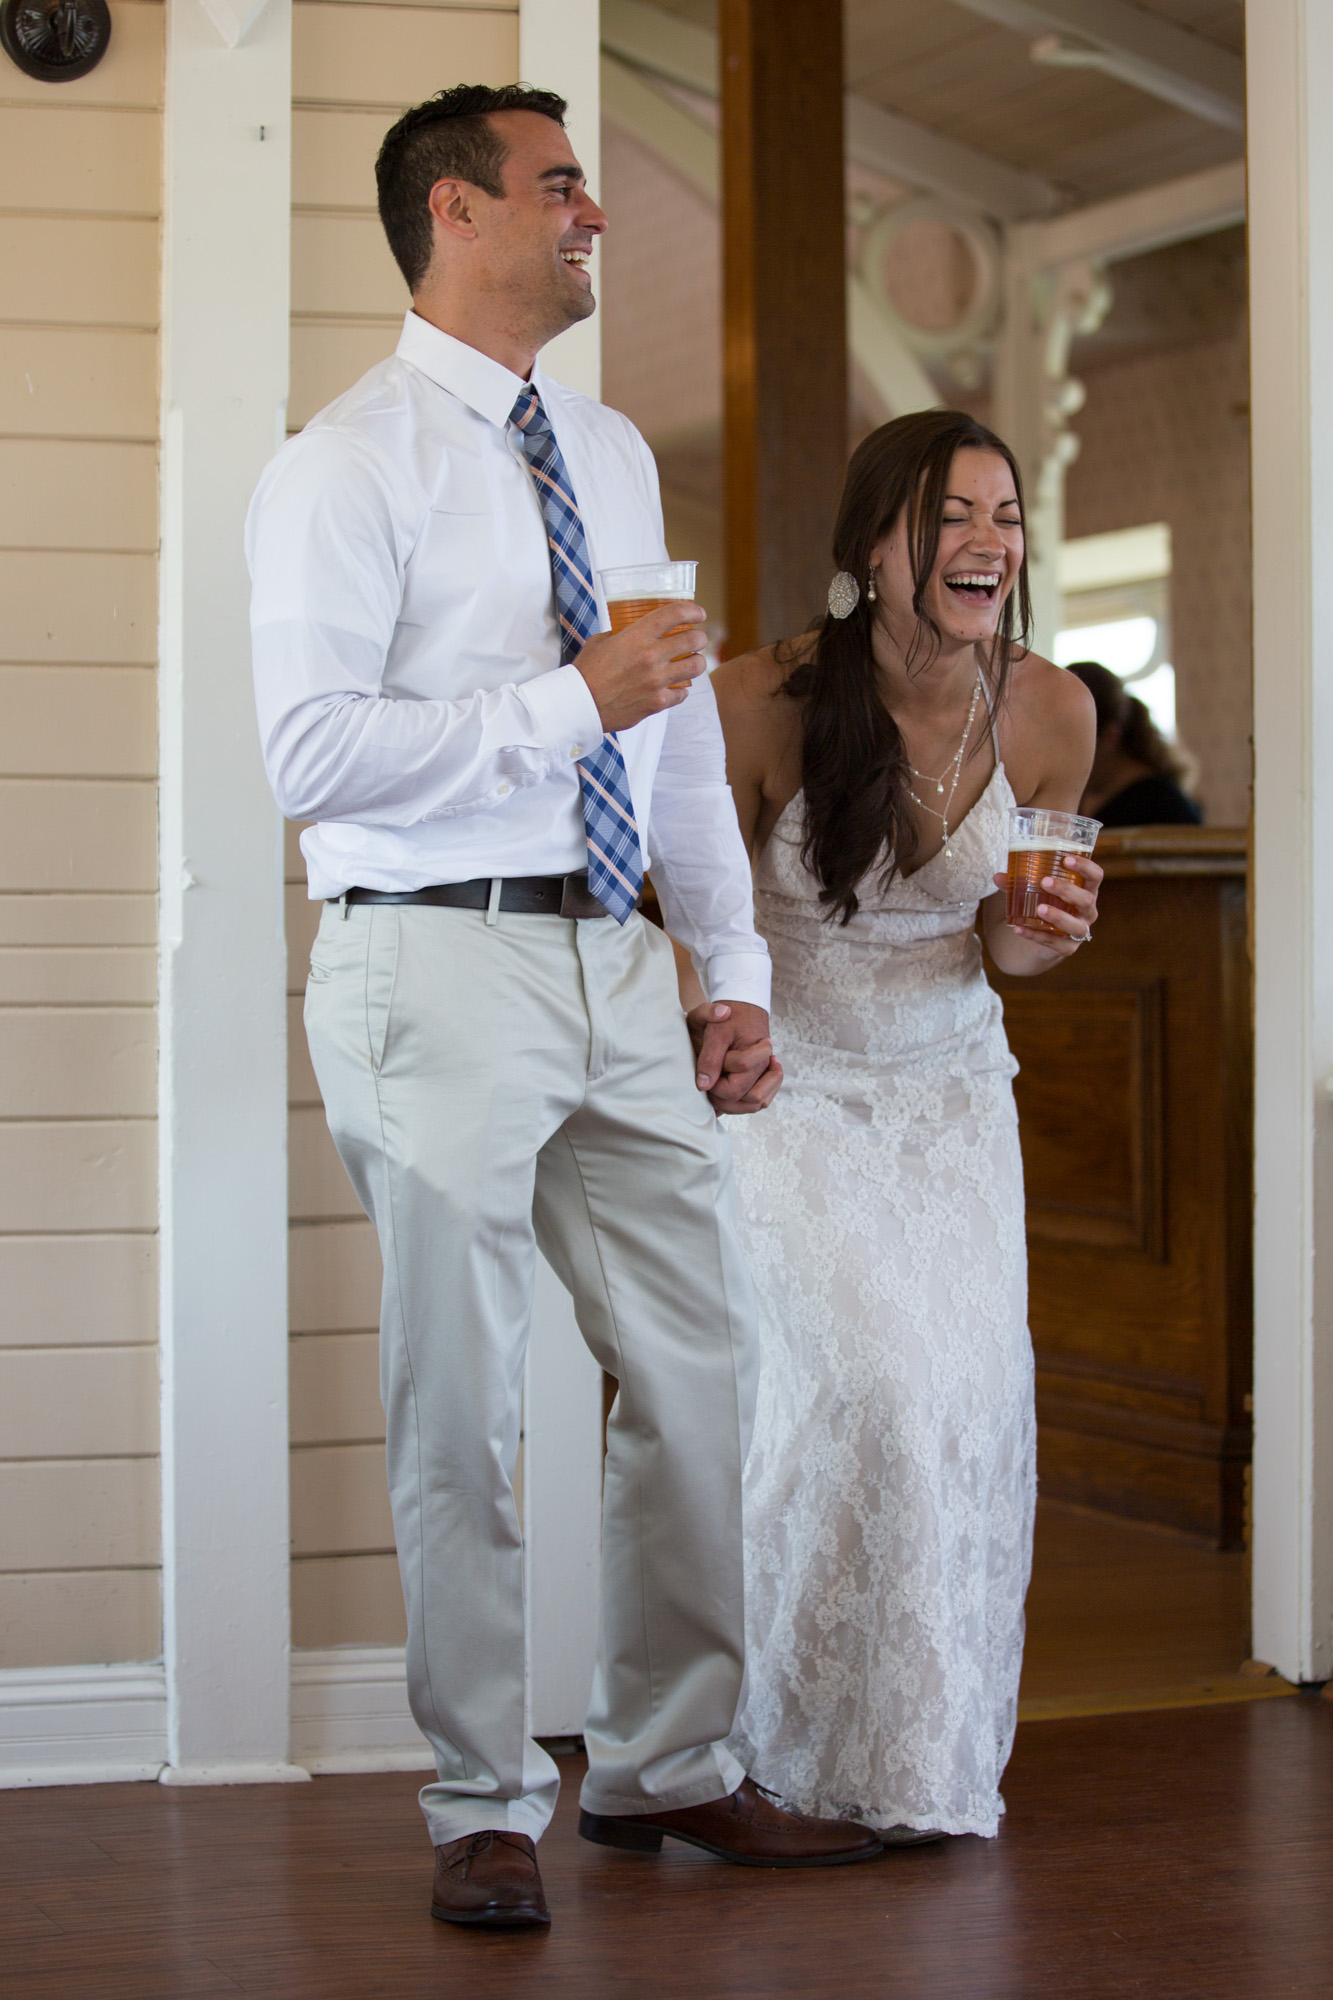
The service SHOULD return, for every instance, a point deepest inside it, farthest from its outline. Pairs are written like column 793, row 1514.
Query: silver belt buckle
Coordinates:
column 577, row 899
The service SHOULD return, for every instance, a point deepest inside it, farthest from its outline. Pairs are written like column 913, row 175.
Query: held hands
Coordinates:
column 1082, row 898
column 733, row 1057
column 638, row 671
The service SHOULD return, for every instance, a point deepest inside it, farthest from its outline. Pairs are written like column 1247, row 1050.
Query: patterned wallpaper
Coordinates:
column 1165, row 437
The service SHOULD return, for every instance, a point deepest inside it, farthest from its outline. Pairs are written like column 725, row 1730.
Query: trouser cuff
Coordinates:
column 727, row 1777
column 465, row 1816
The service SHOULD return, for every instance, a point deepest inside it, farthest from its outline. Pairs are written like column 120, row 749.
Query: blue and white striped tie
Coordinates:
column 615, row 859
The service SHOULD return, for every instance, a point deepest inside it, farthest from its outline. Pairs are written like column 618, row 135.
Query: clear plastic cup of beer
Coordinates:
column 635, row 590
column 1041, row 845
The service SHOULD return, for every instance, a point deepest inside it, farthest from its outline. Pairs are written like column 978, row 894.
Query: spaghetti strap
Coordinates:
column 990, row 711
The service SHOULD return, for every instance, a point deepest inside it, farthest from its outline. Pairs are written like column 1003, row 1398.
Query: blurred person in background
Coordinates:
column 1137, row 777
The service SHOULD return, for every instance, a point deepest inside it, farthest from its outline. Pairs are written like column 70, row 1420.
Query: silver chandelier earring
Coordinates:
column 843, row 594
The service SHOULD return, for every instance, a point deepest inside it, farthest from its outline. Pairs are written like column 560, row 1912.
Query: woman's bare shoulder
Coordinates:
column 1052, row 731
column 761, row 723
column 1047, row 694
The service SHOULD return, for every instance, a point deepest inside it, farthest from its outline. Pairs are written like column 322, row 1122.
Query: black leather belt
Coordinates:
column 525, row 895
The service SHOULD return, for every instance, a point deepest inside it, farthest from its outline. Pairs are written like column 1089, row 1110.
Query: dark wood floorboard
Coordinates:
column 1182, row 1855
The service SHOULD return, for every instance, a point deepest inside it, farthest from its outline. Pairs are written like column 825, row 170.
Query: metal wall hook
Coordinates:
column 55, row 41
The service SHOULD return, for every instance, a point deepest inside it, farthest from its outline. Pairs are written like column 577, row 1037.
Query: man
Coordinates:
column 494, row 1027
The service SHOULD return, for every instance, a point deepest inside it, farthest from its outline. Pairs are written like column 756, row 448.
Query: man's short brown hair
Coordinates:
column 449, row 137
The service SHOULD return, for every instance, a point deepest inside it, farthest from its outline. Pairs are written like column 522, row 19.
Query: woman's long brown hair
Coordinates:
column 854, row 768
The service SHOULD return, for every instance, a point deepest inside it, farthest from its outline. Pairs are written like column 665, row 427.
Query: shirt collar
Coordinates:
column 484, row 385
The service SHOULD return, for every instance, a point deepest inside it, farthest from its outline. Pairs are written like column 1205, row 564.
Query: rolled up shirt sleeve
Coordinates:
column 700, row 868
column 327, row 546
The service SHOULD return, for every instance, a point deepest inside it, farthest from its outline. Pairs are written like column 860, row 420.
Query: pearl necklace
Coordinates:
column 955, row 765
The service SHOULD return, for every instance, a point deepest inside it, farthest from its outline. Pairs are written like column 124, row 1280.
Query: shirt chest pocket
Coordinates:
column 621, row 524
column 454, row 568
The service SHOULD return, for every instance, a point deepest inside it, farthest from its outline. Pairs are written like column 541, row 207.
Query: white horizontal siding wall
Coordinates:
column 80, row 183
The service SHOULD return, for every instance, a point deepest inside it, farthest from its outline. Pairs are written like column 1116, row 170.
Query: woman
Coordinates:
column 890, row 1489
column 1136, row 776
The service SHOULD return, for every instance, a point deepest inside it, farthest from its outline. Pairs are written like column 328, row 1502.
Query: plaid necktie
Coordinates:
column 615, row 859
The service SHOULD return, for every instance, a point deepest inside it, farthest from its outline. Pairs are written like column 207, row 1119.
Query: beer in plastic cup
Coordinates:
column 631, row 593
column 1039, row 841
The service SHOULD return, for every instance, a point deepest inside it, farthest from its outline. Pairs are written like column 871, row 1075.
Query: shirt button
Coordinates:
column 504, row 790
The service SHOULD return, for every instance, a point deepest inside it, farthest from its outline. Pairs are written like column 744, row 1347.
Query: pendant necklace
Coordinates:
column 955, row 765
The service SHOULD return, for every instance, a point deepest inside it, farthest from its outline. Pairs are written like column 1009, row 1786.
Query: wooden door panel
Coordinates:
column 1134, row 1108
column 1090, row 1108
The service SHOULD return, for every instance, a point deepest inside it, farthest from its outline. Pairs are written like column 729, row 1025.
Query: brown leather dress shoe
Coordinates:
column 749, row 1827
column 490, row 1879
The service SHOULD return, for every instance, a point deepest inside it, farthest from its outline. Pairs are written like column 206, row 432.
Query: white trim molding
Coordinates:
column 1132, row 224
column 233, row 23
column 82, row 1725
column 98, row 1725
column 222, row 986
column 562, row 1460
column 1138, row 47
column 1290, row 45
column 558, row 50
column 350, row 1712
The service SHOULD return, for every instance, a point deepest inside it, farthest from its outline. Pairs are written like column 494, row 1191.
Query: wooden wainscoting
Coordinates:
column 1134, row 1099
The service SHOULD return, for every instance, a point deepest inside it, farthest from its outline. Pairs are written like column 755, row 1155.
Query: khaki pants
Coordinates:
column 491, row 1086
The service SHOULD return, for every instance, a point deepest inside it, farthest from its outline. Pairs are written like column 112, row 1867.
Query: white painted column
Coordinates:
column 1290, row 78
column 222, row 1102
column 1035, row 397
column 1022, row 388
column 559, row 49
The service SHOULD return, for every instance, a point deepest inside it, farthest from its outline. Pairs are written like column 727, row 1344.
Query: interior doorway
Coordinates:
column 1136, row 1093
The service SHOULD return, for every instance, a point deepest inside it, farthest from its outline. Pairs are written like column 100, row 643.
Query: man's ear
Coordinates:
column 451, row 204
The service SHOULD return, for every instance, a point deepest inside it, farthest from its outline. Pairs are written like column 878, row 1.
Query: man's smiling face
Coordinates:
column 534, row 244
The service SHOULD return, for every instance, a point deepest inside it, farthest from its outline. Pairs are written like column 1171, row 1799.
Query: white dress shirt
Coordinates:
column 407, row 660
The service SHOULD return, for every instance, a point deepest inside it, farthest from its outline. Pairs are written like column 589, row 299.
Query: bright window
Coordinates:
column 1115, row 599
column 1126, row 646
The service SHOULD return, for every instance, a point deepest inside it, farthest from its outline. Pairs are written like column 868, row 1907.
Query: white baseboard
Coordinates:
column 350, row 1712
column 94, row 1725
column 272, row 1771
column 82, row 1725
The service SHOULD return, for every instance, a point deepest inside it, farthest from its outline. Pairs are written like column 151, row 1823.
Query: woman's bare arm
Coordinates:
column 761, row 728
column 1053, row 730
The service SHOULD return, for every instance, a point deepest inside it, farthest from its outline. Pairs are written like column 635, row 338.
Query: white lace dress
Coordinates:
column 890, row 1490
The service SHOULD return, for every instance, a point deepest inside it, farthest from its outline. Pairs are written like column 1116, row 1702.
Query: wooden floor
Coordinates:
column 1122, row 1616
column 1182, row 1855
column 1182, row 1852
